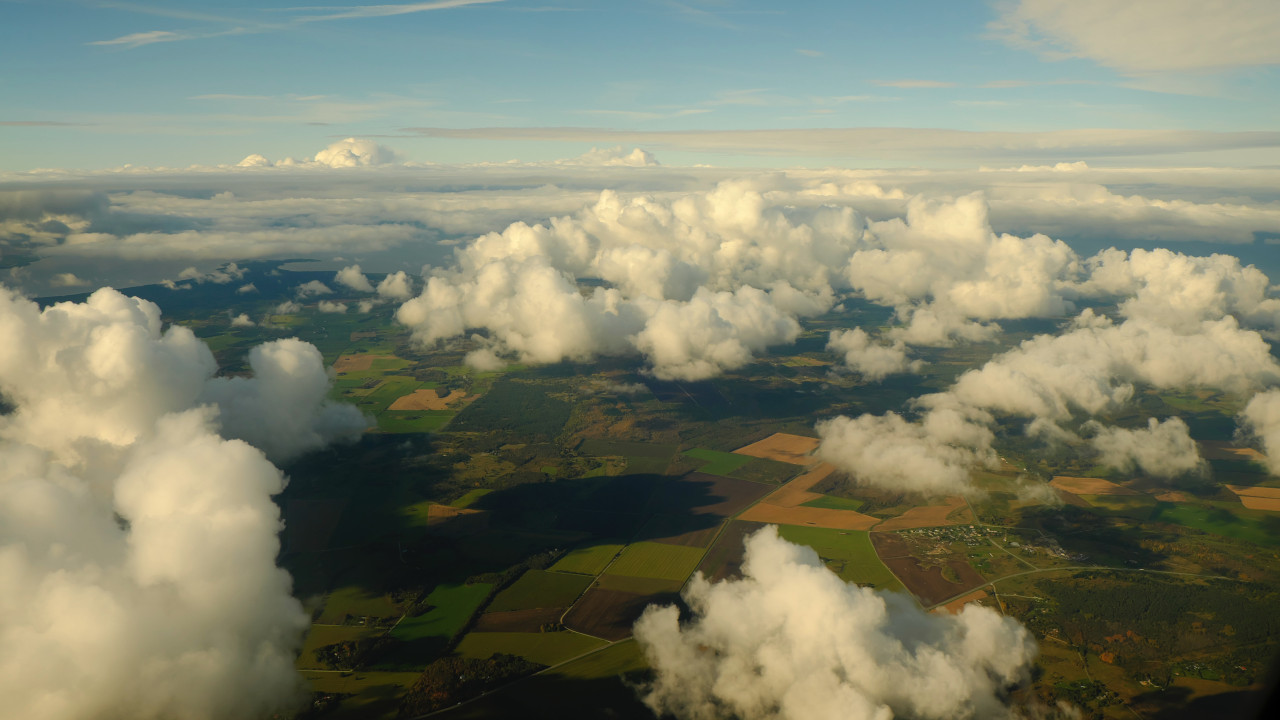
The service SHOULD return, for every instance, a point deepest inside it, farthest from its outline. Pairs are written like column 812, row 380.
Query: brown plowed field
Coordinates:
column 1219, row 450
column 1090, row 486
column 353, row 363
column 427, row 399
column 609, row 614
column 704, row 494
column 928, row 584
column 797, row 491
column 782, row 447
column 518, row 620
column 690, row 531
column 809, row 516
column 954, row 512
column 724, row 559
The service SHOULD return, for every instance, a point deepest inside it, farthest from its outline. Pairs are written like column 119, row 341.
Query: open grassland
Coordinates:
column 549, row 648
column 540, row 589
column 716, row 462
column 657, row 560
column 617, row 659
column 413, row 421
column 373, row 695
column 355, row 602
column 1136, row 507
column 1254, row 526
column 321, row 635
column 470, row 497
column 452, row 606
column 587, row 560
column 848, row 552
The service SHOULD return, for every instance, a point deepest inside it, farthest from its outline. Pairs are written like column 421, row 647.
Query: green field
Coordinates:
column 453, row 606
column 717, row 463
column 355, row 602
column 541, row 589
column 321, row 635
column 656, row 560
column 848, row 552
column 587, row 561
column 470, row 498
column 374, row 695
column 766, row 471
column 1220, row 518
column 650, row 458
column 638, row 585
column 548, row 648
column 831, row 502
column 611, row 661
column 413, row 421
column 1136, row 507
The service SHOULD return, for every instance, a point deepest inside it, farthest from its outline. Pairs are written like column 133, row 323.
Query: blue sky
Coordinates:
column 101, row 84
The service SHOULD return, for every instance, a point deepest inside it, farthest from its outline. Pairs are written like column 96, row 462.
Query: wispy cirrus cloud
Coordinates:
column 237, row 26
column 914, row 83
column 134, row 40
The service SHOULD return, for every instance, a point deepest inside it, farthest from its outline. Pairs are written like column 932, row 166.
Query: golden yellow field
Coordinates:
column 1089, row 486
column 794, row 449
column 954, row 512
column 427, row 399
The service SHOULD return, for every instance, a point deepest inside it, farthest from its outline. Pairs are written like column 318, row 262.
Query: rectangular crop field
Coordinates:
column 413, row 421
column 454, row 605
column 356, row 602
column 619, row 658
column 831, row 502
column 657, row 560
column 548, row 648
column 588, row 560
column 470, row 497
column 541, row 589
column 1221, row 519
column 717, row 463
column 848, row 552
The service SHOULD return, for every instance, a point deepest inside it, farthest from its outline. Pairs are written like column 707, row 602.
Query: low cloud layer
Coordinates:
column 791, row 640
column 137, row 543
column 1162, row 449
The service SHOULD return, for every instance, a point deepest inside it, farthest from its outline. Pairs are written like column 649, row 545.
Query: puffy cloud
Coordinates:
column 283, row 408
column 712, row 332
column 396, row 286
column 326, row 306
column 1162, row 449
column 1179, row 290
column 933, row 457
column 1261, row 418
column 874, row 361
column 530, row 308
column 352, row 277
column 943, row 266
column 67, row 280
column 241, row 320
column 137, row 546
column 312, row 288
column 254, row 160
column 792, row 640
column 354, row 152
column 288, row 307
column 247, row 288
column 615, row 156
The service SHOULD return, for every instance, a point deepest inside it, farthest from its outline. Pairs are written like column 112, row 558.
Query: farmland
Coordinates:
column 536, row 512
